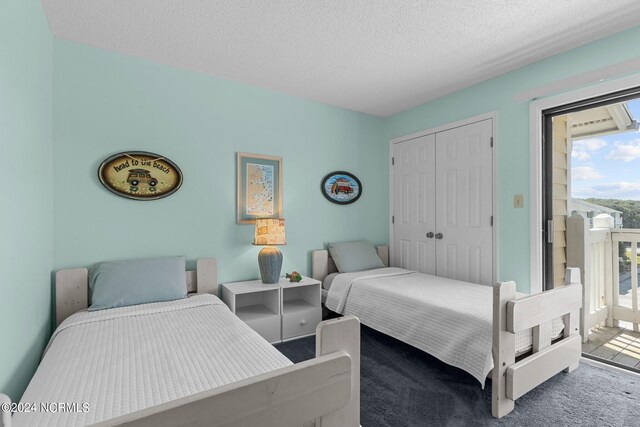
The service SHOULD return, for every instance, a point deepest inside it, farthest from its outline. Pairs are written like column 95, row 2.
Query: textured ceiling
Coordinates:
column 374, row 56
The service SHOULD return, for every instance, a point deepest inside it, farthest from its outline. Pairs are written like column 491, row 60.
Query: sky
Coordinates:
column 608, row 167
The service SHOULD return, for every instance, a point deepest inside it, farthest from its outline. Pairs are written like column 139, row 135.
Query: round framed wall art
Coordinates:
column 341, row 188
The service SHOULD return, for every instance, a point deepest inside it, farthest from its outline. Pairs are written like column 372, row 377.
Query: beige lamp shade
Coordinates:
column 269, row 232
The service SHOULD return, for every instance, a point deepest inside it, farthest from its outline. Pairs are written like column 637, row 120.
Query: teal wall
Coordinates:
column 26, row 196
column 105, row 103
column 499, row 95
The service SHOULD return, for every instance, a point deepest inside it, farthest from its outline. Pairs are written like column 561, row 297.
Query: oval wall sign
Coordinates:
column 140, row 175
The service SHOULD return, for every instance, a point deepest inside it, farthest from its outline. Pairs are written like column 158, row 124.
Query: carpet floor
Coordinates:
column 402, row 386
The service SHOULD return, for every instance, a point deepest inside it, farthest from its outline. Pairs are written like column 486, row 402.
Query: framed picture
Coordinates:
column 341, row 187
column 259, row 187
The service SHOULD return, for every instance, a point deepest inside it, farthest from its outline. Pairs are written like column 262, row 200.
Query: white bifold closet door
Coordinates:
column 443, row 203
column 414, row 189
column 464, row 203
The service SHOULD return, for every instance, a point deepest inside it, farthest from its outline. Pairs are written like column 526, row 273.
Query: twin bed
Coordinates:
column 183, row 362
column 192, row 362
column 477, row 328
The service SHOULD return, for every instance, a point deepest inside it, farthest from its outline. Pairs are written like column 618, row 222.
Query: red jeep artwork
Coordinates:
column 341, row 186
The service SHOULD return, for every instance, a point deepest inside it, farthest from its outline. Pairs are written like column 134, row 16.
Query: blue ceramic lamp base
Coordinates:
column 270, row 262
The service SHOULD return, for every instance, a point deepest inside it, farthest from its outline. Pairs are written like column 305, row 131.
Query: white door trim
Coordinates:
column 491, row 115
column 535, row 138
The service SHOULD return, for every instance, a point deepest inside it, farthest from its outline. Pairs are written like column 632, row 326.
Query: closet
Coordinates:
column 442, row 203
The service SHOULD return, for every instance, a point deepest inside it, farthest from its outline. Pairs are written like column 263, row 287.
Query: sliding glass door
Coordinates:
column 579, row 140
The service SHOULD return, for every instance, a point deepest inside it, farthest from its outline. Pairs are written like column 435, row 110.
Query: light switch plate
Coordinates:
column 518, row 201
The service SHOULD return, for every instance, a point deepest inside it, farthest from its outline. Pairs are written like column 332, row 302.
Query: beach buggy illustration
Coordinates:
column 341, row 186
column 138, row 176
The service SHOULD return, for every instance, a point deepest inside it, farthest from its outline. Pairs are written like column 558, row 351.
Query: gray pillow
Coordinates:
column 354, row 256
column 140, row 281
column 328, row 281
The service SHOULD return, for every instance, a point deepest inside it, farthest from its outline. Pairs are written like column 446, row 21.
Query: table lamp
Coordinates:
column 269, row 233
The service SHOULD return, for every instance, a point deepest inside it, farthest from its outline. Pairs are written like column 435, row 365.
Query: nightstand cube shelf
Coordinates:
column 301, row 309
column 256, row 304
column 280, row 311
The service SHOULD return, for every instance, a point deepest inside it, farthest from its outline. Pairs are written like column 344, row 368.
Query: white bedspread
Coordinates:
column 125, row 359
column 448, row 319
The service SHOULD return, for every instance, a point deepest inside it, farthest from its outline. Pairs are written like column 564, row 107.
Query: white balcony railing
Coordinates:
column 625, row 301
column 610, row 282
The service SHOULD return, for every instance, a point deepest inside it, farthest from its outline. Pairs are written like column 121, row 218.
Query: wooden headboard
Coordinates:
column 72, row 286
column 322, row 265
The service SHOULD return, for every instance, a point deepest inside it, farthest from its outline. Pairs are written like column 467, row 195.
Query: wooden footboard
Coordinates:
column 511, row 379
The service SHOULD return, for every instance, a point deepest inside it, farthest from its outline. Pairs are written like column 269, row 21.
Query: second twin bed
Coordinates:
column 466, row 325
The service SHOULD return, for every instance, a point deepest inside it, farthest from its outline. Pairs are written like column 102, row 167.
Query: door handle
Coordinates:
column 429, row 235
column 439, row 236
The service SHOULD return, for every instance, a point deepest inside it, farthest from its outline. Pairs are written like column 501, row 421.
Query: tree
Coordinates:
column 630, row 210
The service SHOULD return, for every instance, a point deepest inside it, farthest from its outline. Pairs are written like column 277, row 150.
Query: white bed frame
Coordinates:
column 324, row 391
column 511, row 379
